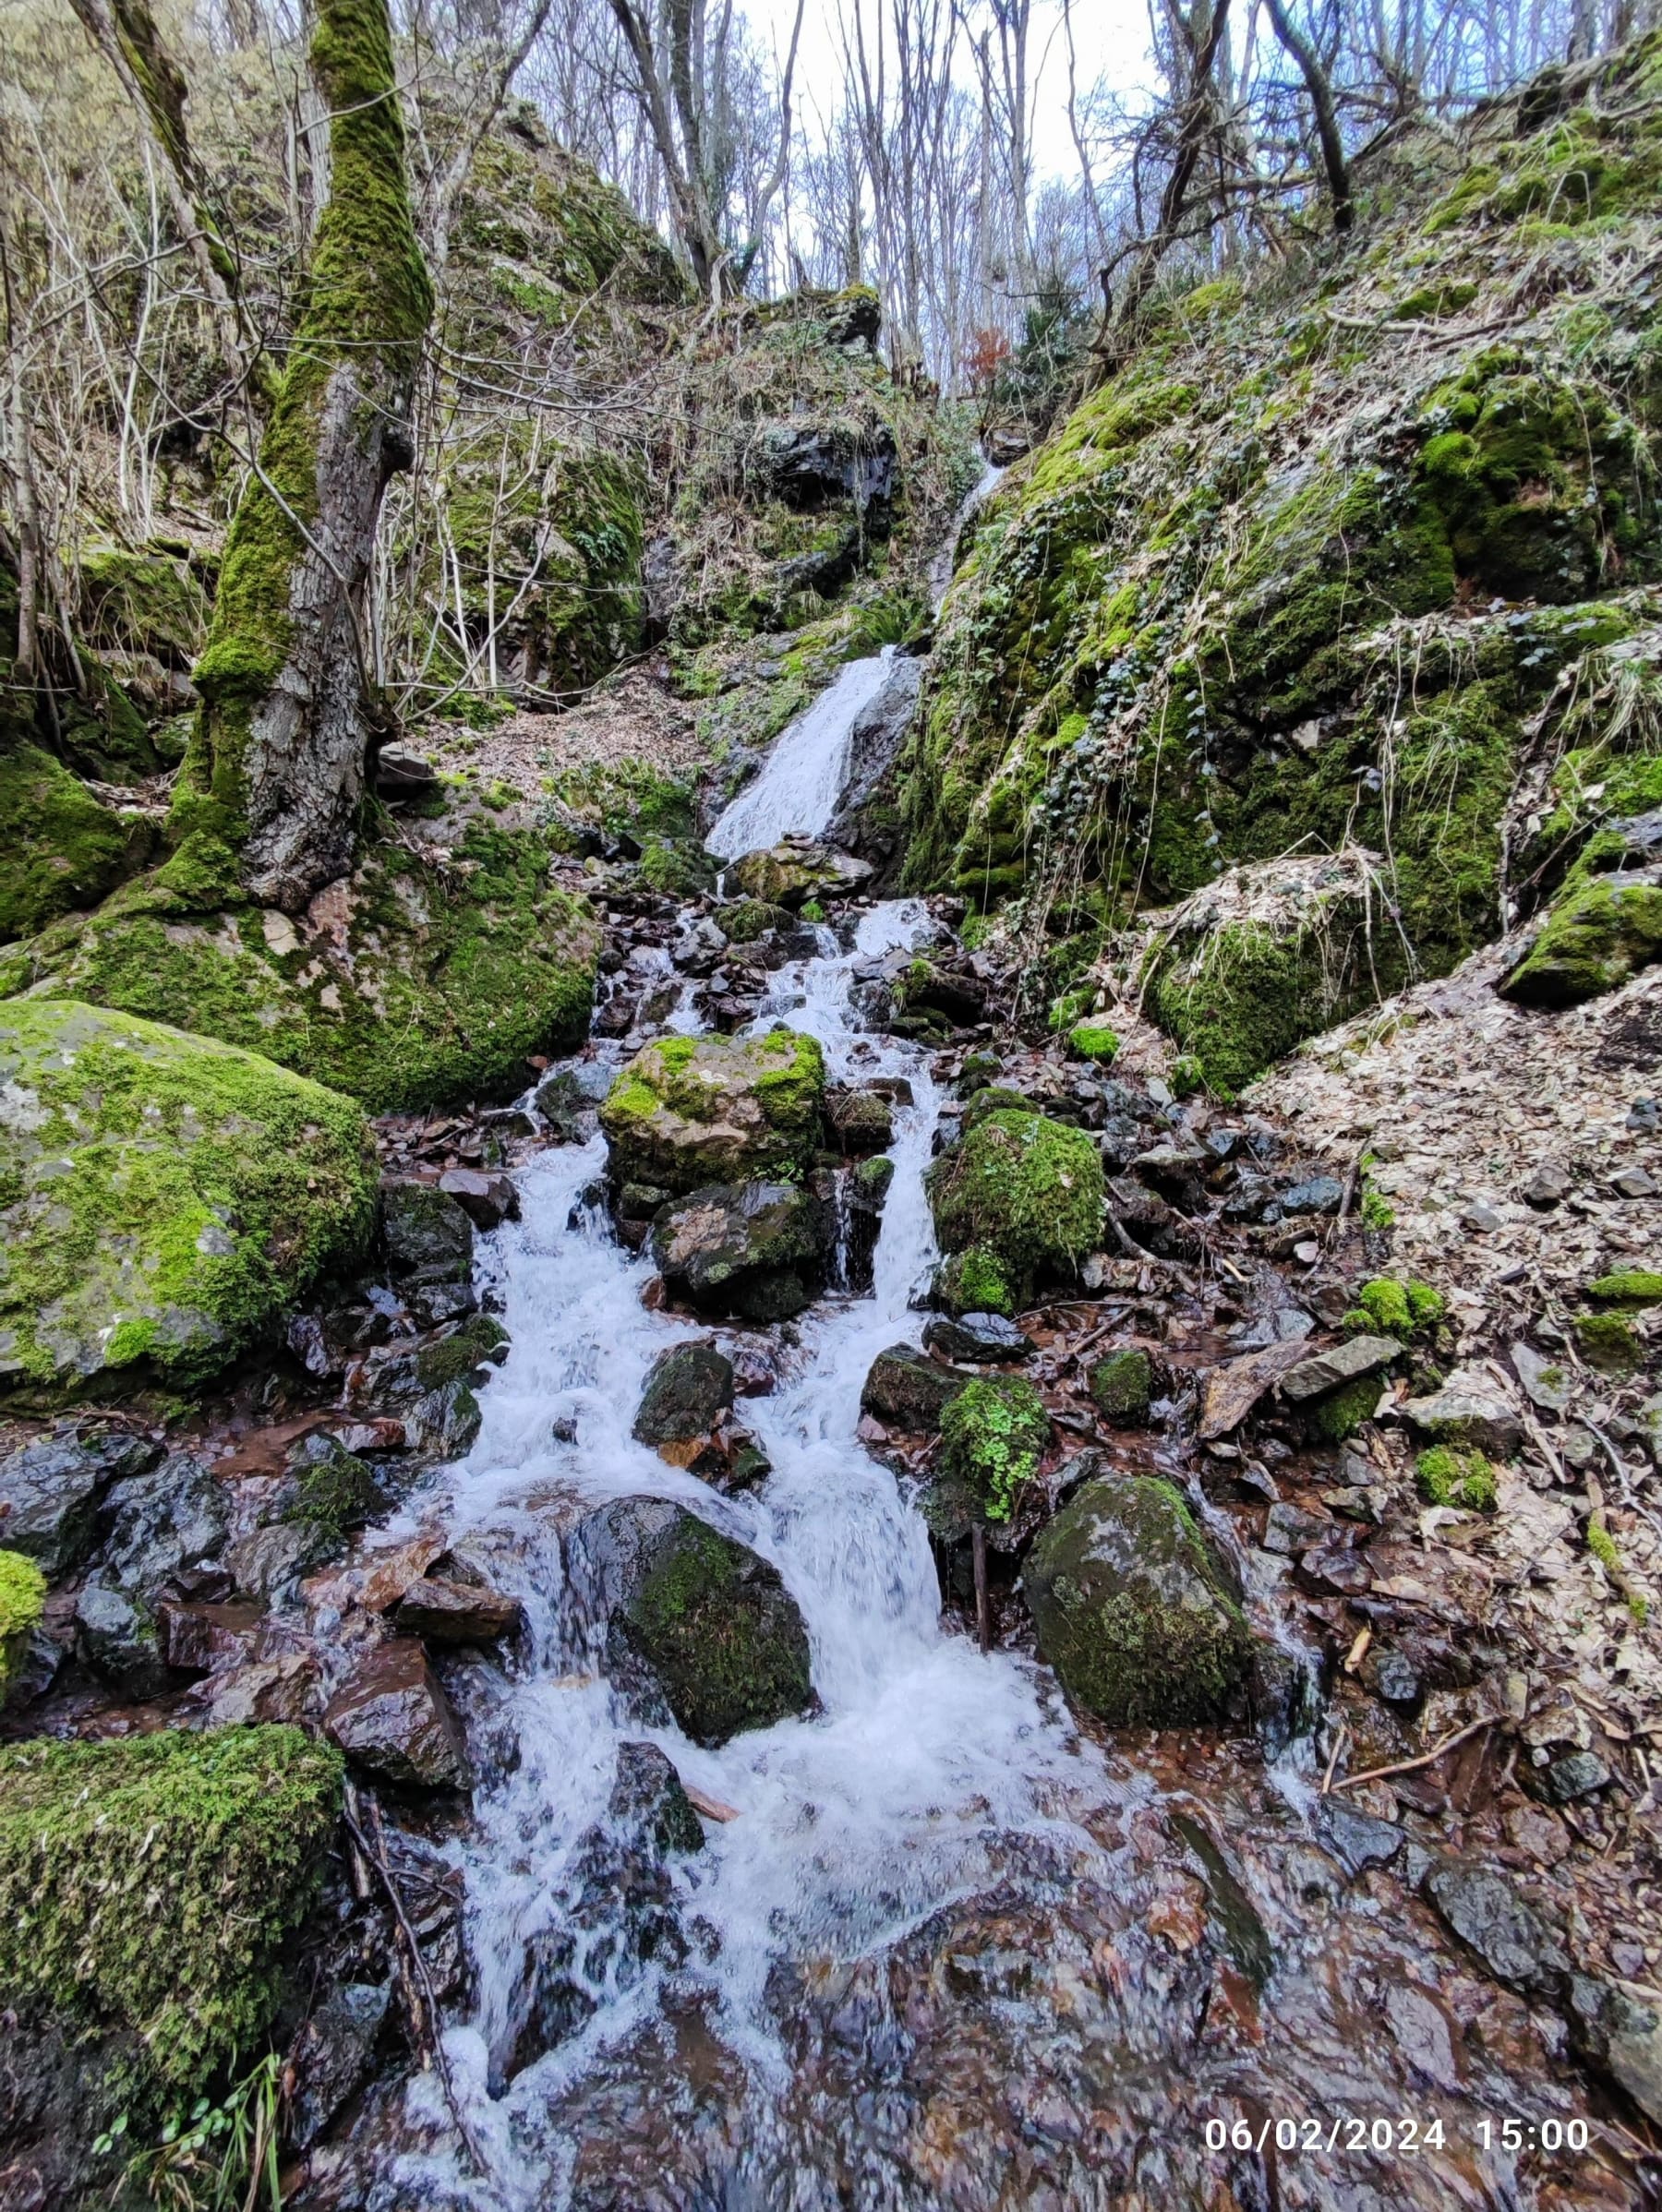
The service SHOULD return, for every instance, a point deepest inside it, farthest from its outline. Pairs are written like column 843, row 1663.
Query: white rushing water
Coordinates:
column 943, row 564
column 796, row 789
column 854, row 1823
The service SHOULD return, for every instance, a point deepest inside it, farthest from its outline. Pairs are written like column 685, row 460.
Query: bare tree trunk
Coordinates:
column 275, row 771
column 1321, row 103
column 1196, row 114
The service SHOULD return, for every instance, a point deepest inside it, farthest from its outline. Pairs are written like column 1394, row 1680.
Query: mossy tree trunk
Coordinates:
column 272, row 781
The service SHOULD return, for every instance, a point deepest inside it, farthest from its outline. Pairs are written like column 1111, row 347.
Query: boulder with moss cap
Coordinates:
column 691, row 1110
column 1024, row 1190
column 166, row 1198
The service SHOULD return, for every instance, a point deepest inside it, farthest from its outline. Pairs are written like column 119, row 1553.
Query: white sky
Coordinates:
column 1111, row 39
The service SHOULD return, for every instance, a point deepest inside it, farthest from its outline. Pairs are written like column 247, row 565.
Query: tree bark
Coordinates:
column 272, row 783
column 1321, row 103
column 1196, row 114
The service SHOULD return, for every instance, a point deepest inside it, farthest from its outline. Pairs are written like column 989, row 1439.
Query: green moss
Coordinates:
column 1023, row 1187
column 451, row 973
column 163, row 1198
column 993, row 1434
column 1628, row 1286
column 460, row 1354
column 974, row 1281
column 336, row 1492
column 65, row 848
column 1251, row 997
column 151, row 1882
column 1342, row 1411
column 1604, row 930
column 1389, row 1308
column 141, row 602
column 725, row 1642
column 1448, row 1476
column 716, row 1108
column 1607, row 1341
column 22, row 1602
column 747, row 919
column 1093, row 1040
column 1123, row 1384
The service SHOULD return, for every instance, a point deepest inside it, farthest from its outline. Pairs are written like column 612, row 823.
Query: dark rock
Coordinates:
column 1122, row 1383
column 450, row 1612
column 51, row 1490
column 753, row 1249
column 648, row 1800
column 711, row 1624
column 1577, row 1774
column 1129, row 1608
column 391, row 1716
column 906, row 1390
column 980, row 1339
column 429, row 1237
column 1548, row 1187
column 1288, row 1528
column 1321, row 1193
column 874, row 740
column 866, row 1193
column 162, row 1525
column 689, row 1388
column 335, row 2055
column 1511, row 1938
column 809, row 465
column 1349, row 1362
column 859, row 1120
column 1358, row 1840
column 487, row 1200
column 568, row 1100
column 401, row 774
column 1622, row 2033
column 1392, row 1675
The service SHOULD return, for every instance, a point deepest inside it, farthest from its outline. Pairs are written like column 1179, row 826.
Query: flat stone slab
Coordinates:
column 1345, row 1363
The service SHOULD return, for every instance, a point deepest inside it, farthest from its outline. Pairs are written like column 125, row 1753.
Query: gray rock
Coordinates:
column 980, row 1339
column 753, row 1249
column 1634, row 1182
column 1548, row 1187
column 689, row 1388
column 119, row 1638
column 1289, row 1528
column 1321, row 1193
column 391, row 1716
column 1358, row 1839
column 451, row 1612
column 874, row 740
column 1467, row 1410
column 1546, row 1379
column 487, row 1199
column 51, row 1490
column 335, row 2055
column 905, row 1389
column 1489, row 1916
column 1345, row 1363
column 1577, row 1774
column 430, row 1239
column 1622, row 2032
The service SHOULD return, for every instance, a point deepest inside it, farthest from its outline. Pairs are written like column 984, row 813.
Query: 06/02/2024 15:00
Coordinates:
column 1403, row 2136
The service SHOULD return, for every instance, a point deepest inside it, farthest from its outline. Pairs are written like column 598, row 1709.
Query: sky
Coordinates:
column 1111, row 39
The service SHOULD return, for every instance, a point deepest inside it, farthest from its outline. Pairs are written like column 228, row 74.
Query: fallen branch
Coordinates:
column 1409, row 1766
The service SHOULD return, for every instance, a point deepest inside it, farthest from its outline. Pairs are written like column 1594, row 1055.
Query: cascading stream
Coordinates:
column 853, row 1825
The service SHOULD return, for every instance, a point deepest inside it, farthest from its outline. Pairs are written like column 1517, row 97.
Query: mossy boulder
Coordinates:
column 753, row 1249
column 414, row 981
column 1123, row 1385
column 1633, row 1287
column 1130, row 1611
column 22, row 1600
column 689, row 1111
column 717, row 1635
column 993, row 1433
column 1602, row 932
column 144, row 611
column 163, row 1197
column 64, row 847
column 151, row 1883
column 973, row 1281
column 796, row 871
column 1027, row 1190
column 745, row 920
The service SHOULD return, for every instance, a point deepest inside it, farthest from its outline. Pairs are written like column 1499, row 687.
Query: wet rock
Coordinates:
column 334, row 2056
column 568, row 1100
column 271, row 1563
column 1121, row 1384
column 429, row 1237
column 1392, row 1675
column 753, row 1249
column 1467, row 1410
column 712, row 1625
column 797, row 869
column 687, row 1112
column 1321, row 1195
column 648, row 1801
column 391, row 1716
column 867, row 1191
column 859, row 1120
column 747, row 919
column 51, row 1490
column 1289, row 1528
column 906, row 1390
column 445, row 1422
column 487, row 1200
column 1511, row 1938
column 164, row 1525
column 688, row 1390
column 1346, row 1362
column 446, row 1611
column 1129, row 1608
column 1621, row 2031
column 979, row 1338
column 1577, row 1774
column 1231, row 1390
column 874, row 737
column 1358, row 1840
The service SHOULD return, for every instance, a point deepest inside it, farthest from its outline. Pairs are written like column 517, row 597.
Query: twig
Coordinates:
column 1408, row 1766
column 983, row 1608
column 1339, row 1743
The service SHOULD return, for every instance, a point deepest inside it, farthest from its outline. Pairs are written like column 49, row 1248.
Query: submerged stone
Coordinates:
column 1129, row 1609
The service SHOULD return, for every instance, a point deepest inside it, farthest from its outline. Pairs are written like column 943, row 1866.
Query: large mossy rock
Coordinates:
column 714, row 1628
column 1602, row 931
column 416, row 981
column 151, row 1883
column 1022, row 1189
column 796, row 870
column 163, row 1197
column 1129, row 1609
column 753, row 1249
column 63, row 846
column 689, row 1111
column 22, row 1600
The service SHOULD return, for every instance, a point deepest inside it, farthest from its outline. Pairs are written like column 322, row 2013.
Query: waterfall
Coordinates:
column 796, row 788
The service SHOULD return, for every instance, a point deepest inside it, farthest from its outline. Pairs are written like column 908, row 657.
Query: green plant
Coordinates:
column 218, row 2158
column 1395, row 1309
column 1093, row 1040
column 1602, row 1545
column 992, row 1436
column 1451, row 1477
column 1377, row 1212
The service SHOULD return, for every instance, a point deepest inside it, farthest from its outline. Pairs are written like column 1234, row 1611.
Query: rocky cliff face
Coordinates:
column 1354, row 561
